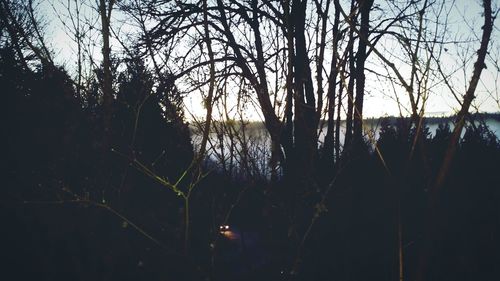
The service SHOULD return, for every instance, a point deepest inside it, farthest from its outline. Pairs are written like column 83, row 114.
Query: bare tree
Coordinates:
column 23, row 27
column 105, row 8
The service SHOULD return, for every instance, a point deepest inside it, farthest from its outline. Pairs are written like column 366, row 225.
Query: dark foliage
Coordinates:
column 53, row 159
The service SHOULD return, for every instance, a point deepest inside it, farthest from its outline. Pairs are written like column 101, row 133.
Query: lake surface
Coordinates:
column 252, row 145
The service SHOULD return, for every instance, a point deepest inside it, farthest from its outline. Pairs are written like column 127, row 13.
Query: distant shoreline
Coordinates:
column 371, row 121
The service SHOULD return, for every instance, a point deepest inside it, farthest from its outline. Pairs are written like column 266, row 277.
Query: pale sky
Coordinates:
column 379, row 97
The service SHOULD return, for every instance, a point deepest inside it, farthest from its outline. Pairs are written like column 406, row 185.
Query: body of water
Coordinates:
column 249, row 149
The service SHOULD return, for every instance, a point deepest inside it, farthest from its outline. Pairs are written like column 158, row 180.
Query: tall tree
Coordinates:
column 105, row 8
column 365, row 7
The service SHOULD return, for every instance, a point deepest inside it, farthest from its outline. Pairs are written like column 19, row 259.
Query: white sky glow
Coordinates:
column 464, row 27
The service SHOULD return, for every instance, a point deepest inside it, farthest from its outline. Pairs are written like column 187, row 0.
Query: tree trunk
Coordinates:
column 365, row 7
column 337, row 126
column 350, row 85
column 332, row 81
column 305, row 104
column 107, row 90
